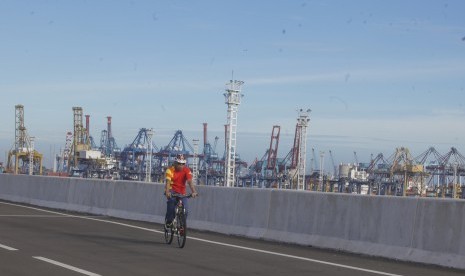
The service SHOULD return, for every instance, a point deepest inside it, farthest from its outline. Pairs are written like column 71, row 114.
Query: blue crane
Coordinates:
column 133, row 156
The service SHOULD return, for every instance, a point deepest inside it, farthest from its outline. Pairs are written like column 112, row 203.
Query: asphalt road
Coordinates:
column 37, row 241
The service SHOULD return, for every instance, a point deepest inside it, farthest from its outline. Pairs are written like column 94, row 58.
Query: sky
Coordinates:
column 377, row 75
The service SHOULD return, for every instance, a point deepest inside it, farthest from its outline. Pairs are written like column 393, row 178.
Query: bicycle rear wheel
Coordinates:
column 182, row 229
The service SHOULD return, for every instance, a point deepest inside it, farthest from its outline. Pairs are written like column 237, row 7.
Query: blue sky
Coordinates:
column 376, row 74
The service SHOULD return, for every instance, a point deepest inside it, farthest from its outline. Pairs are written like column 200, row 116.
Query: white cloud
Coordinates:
column 310, row 77
column 449, row 112
column 308, row 47
column 110, row 86
column 425, row 129
column 393, row 72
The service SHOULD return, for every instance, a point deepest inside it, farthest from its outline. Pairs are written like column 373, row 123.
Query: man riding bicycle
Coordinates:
column 176, row 177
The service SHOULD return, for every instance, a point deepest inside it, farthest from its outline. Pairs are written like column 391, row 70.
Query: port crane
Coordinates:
column 264, row 172
column 23, row 158
column 134, row 157
column 211, row 167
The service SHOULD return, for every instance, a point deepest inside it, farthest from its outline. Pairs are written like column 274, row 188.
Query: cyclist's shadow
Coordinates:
column 106, row 239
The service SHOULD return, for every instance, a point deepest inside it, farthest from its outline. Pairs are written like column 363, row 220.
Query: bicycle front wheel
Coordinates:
column 168, row 235
column 182, row 229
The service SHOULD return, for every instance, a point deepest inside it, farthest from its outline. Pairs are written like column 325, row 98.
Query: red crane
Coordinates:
column 296, row 147
column 273, row 151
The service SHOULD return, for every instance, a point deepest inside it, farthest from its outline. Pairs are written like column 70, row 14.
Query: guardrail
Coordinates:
column 411, row 229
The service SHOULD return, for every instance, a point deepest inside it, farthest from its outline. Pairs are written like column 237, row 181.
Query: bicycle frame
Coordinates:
column 178, row 226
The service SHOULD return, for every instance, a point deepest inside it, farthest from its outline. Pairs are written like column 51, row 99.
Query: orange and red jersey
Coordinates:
column 177, row 180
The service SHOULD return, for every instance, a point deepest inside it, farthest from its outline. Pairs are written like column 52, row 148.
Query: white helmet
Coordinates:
column 180, row 159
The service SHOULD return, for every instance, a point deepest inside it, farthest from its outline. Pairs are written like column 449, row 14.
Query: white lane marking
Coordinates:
column 218, row 243
column 32, row 216
column 298, row 257
column 7, row 247
column 82, row 271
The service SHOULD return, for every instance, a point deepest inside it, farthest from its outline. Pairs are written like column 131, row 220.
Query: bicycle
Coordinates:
column 178, row 226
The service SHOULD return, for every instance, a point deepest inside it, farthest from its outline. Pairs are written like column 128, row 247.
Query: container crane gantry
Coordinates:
column 134, row 157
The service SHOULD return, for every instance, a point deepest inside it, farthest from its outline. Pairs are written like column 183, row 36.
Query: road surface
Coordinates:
column 38, row 241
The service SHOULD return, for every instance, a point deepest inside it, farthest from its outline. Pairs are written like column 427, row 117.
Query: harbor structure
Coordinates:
column 233, row 100
column 23, row 158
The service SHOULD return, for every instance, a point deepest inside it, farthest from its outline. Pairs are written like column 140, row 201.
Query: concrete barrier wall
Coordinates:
column 413, row 229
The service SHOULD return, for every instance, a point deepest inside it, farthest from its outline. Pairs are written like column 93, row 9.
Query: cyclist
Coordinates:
column 176, row 177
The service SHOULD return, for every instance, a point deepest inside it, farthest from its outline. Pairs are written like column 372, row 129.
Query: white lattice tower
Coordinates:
column 148, row 162
column 20, row 129
column 320, row 179
column 79, row 131
column 195, row 167
column 67, row 150
column 233, row 100
column 31, row 155
column 78, row 134
column 302, row 122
